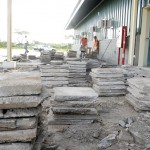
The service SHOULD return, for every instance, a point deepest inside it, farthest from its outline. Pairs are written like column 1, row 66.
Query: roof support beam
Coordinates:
column 9, row 29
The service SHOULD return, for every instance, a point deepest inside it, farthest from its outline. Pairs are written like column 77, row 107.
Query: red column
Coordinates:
column 124, row 44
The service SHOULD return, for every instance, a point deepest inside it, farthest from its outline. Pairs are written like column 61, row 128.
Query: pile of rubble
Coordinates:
column 54, row 75
column 69, row 106
column 108, row 81
column 139, row 93
column 77, row 74
column 92, row 63
column 19, row 109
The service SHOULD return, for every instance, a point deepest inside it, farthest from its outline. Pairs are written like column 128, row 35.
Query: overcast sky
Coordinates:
column 44, row 19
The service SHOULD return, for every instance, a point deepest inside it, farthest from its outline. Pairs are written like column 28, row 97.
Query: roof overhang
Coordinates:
column 81, row 11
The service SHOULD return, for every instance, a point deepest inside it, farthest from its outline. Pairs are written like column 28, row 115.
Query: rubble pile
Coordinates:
column 139, row 93
column 69, row 106
column 53, row 51
column 77, row 74
column 54, row 75
column 108, row 81
column 19, row 109
column 72, row 54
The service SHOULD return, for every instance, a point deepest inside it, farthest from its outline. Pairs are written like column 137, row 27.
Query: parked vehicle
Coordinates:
column 43, row 47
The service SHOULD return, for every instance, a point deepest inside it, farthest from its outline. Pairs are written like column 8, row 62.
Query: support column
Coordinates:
column 143, row 50
column 9, row 29
column 132, row 31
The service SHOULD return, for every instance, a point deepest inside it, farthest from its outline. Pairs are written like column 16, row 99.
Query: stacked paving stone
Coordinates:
column 70, row 106
column 108, row 81
column 77, row 74
column 45, row 57
column 92, row 63
column 59, row 56
column 139, row 93
column 19, row 101
column 53, row 54
column 72, row 54
column 54, row 75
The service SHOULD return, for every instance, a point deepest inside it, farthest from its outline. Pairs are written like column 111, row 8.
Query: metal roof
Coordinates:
column 82, row 9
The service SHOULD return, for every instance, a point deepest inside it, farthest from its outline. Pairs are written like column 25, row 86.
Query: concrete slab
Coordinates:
column 20, row 83
column 54, row 74
column 54, row 79
column 141, row 83
column 103, row 75
column 17, row 136
column 9, row 65
column 54, row 70
column 54, row 66
column 74, row 94
column 107, row 70
column 16, row 146
column 15, row 113
column 77, row 62
column 19, row 102
column 17, row 124
column 71, row 111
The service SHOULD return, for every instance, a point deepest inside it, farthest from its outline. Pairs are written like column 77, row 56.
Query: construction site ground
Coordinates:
column 113, row 117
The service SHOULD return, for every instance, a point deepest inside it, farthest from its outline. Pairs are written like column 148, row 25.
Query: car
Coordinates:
column 43, row 48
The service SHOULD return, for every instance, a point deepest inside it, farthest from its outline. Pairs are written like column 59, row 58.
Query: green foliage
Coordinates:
column 3, row 44
column 61, row 47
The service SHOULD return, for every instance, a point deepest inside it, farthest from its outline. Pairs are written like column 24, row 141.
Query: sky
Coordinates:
column 45, row 20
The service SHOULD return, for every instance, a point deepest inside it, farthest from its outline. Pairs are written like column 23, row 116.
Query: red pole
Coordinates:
column 124, row 45
column 119, row 57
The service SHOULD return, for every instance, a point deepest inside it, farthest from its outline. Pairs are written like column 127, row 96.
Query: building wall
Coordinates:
column 117, row 10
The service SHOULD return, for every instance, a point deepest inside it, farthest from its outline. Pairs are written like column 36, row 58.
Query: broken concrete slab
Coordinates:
column 54, row 79
column 19, row 102
column 77, row 75
column 108, row 141
column 79, row 84
column 72, row 59
column 16, row 146
column 17, row 136
column 140, row 83
column 54, row 70
column 76, row 62
column 74, row 94
column 54, row 74
column 52, row 121
column 15, row 113
column 75, row 117
column 56, row 62
column 54, row 66
column 108, row 71
column 109, row 87
column 137, row 94
column 125, row 136
column 107, row 75
column 20, row 83
column 79, row 111
column 138, row 104
column 17, row 124
column 140, row 131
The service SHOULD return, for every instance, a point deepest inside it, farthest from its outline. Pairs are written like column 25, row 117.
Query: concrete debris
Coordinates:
column 108, row 141
column 59, row 56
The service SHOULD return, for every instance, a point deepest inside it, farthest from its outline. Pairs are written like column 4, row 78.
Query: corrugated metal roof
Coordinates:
column 82, row 9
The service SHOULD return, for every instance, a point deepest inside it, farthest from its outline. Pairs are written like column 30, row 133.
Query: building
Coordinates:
column 103, row 18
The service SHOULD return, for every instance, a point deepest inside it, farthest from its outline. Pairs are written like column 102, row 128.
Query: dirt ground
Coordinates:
column 87, row 137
